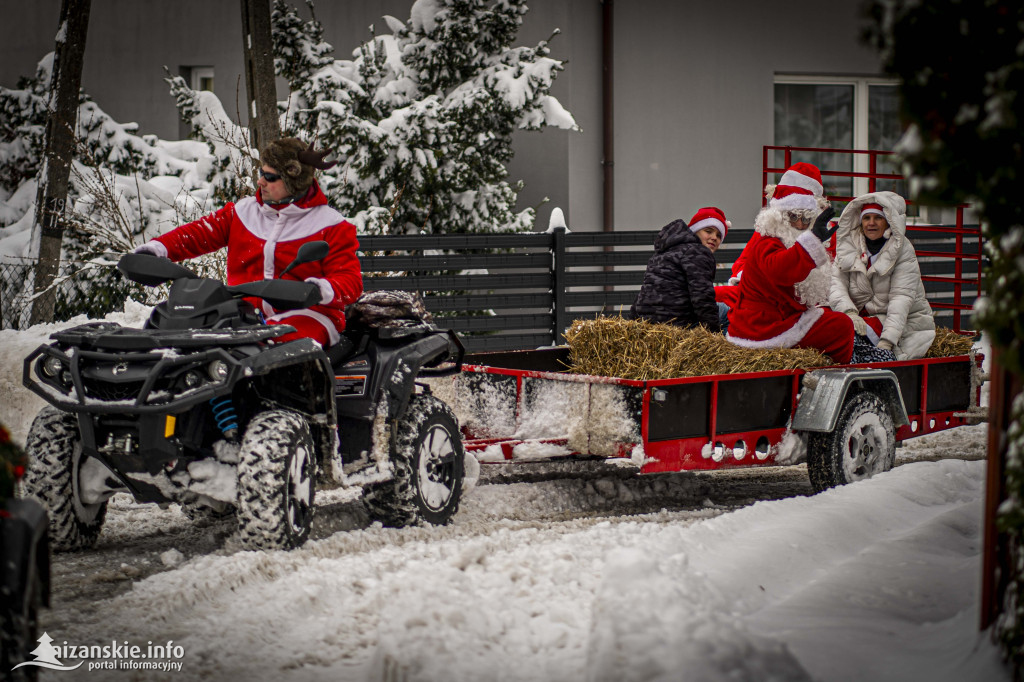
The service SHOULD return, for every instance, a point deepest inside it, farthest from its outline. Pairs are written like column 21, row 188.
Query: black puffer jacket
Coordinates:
column 679, row 283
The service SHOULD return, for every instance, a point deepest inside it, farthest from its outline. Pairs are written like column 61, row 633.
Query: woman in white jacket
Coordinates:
column 877, row 280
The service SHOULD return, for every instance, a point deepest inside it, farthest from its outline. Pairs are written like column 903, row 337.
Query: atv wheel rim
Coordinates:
column 436, row 468
column 299, row 491
column 867, row 448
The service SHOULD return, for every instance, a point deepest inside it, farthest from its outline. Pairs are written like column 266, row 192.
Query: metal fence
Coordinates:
column 77, row 292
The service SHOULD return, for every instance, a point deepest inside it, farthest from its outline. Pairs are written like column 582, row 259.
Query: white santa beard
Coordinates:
column 813, row 289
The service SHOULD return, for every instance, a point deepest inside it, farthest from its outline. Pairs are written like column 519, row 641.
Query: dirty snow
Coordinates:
column 560, row 578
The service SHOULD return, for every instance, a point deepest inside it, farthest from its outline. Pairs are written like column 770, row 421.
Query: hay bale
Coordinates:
column 642, row 350
column 948, row 343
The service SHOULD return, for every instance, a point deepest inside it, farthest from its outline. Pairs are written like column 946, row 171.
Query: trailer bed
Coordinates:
column 524, row 405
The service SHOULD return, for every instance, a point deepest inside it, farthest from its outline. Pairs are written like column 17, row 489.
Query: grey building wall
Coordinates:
column 693, row 86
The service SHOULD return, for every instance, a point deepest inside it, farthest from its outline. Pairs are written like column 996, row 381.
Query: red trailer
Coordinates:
column 846, row 420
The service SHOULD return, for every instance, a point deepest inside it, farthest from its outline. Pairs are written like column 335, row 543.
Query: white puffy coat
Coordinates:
column 891, row 289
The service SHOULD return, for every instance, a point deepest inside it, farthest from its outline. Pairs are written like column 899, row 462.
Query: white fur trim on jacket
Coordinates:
column 814, row 248
column 332, row 331
column 786, row 339
column 326, row 290
column 291, row 222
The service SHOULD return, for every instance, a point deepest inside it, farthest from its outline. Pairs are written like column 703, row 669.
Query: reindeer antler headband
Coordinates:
column 314, row 158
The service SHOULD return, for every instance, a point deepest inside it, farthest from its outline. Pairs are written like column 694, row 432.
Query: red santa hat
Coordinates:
column 798, row 188
column 710, row 217
column 871, row 208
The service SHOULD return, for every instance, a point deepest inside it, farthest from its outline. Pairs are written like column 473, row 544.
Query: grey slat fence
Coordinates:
column 515, row 291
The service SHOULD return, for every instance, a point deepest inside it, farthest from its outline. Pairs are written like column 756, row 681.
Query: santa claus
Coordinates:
column 787, row 274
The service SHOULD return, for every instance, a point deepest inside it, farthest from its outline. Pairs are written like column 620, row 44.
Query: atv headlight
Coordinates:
column 218, row 370
column 52, row 366
column 193, row 379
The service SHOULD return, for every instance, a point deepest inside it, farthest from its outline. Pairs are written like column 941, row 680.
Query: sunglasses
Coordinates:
column 269, row 177
column 799, row 216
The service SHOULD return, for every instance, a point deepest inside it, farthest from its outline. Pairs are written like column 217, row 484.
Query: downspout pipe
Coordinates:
column 608, row 114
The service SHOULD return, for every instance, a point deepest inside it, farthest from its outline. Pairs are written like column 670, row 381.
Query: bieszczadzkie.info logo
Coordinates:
column 111, row 656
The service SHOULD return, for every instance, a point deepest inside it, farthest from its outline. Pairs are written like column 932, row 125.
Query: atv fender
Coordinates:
column 402, row 369
column 297, row 375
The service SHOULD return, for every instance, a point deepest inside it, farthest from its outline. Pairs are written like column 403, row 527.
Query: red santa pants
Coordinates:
column 305, row 327
column 832, row 335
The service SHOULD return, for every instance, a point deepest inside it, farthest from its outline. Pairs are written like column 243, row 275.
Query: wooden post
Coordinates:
column 59, row 145
column 996, row 558
column 259, row 73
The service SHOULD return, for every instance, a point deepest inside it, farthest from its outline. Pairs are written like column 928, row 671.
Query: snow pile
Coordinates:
column 797, row 589
column 887, row 566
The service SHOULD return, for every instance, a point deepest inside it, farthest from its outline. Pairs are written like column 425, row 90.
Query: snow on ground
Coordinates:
column 561, row 579
column 874, row 581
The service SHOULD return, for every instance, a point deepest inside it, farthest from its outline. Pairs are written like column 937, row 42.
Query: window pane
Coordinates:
column 809, row 115
column 884, row 131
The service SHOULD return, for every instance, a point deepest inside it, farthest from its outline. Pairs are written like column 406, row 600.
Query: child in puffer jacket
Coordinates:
column 678, row 287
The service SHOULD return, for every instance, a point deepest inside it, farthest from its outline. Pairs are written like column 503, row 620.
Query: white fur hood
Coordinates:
column 850, row 240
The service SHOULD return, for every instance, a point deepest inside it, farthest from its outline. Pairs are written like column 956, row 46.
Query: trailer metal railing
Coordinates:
column 951, row 256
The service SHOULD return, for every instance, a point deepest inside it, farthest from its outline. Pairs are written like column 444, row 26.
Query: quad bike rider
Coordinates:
column 205, row 407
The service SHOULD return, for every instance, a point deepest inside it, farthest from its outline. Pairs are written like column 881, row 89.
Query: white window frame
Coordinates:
column 860, row 112
column 198, row 73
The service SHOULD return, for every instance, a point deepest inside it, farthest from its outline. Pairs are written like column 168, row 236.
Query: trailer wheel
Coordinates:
column 276, row 477
column 862, row 444
column 429, row 468
column 54, row 448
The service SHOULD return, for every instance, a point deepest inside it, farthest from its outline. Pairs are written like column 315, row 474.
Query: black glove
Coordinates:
column 821, row 229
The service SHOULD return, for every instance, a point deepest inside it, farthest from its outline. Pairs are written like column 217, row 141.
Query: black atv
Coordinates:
column 202, row 408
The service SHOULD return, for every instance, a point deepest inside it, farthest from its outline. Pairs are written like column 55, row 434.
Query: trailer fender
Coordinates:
column 824, row 393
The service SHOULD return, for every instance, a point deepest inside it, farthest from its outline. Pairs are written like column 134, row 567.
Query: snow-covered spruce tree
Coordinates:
column 230, row 164
column 966, row 144
column 421, row 119
column 111, row 202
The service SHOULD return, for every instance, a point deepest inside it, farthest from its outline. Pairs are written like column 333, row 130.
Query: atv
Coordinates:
column 202, row 408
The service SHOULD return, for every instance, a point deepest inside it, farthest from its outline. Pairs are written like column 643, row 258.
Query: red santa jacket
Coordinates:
column 729, row 294
column 263, row 240
column 768, row 313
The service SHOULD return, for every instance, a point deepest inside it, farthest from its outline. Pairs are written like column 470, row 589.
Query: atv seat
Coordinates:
column 346, row 348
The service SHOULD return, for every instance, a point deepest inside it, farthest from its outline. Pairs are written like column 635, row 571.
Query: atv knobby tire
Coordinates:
column 428, row 460
column 54, row 448
column 862, row 444
column 276, row 486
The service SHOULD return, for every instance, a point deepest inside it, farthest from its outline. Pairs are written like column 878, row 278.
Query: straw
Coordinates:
column 641, row 350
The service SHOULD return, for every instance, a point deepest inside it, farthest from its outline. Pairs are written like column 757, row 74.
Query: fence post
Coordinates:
column 559, row 314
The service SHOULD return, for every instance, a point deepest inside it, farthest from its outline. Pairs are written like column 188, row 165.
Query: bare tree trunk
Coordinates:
column 52, row 195
column 259, row 72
